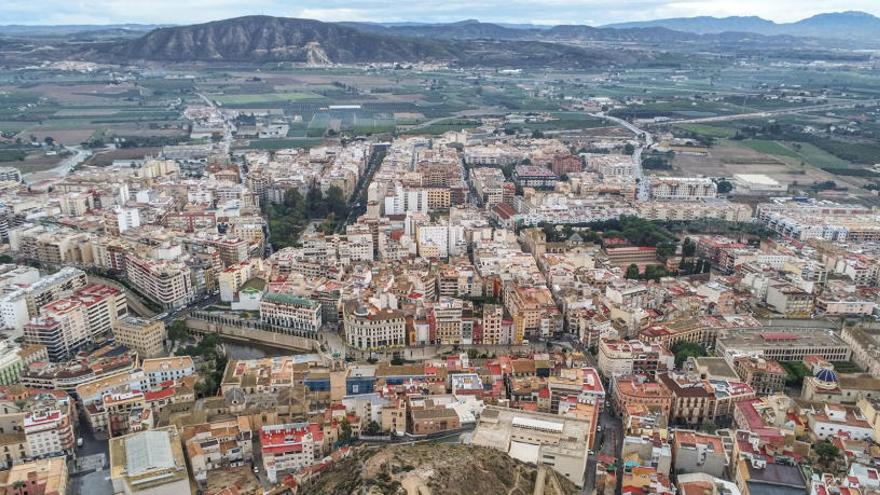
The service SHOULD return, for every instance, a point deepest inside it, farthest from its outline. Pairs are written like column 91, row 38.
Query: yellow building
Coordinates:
column 146, row 337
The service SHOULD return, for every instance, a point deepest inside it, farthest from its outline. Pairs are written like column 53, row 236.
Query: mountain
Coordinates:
column 462, row 30
column 271, row 39
column 26, row 31
column 843, row 25
column 840, row 25
column 475, row 30
column 705, row 25
column 438, row 469
column 262, row 39
column 265, row 38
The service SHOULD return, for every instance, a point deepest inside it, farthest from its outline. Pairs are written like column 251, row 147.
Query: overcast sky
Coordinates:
column 592, row 12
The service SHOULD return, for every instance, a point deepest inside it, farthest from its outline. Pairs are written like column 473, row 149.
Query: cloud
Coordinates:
column 336, row 14
column 523, row 11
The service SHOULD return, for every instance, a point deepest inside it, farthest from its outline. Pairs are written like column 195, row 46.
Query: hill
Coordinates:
column 274, row 39
column 439, row 469
column 265, row 38
column 839, row 25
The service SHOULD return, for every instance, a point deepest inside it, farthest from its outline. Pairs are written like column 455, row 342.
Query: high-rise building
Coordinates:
column 62, row 328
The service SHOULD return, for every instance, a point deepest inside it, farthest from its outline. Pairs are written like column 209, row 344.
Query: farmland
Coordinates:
column 244, row 100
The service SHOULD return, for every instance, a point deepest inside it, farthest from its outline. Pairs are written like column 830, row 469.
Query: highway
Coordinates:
column 774, row 113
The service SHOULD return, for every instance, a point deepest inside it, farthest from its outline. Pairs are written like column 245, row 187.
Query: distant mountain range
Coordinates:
column 14, row 30
column 273, row 39
column 842, row 25
column 850, row 25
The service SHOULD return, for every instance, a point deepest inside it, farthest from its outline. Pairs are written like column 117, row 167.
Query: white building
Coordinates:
column 757, row 184
column 402, row 200
column 290, row 312
column 682, row 188
column 127, row 218
column 289, row 447
column 836, row 420
column 368, row 327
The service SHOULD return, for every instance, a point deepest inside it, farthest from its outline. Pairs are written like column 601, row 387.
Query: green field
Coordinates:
column 820, row 158
column 769, row 147
column 252, row 99
column 12, row 155
column 709, row 130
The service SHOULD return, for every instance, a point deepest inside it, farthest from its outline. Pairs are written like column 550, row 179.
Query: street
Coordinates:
column 64, row 167
column 611, row 434
column 647, row 140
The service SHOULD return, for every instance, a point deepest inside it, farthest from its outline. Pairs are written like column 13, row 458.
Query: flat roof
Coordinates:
column 537, row 424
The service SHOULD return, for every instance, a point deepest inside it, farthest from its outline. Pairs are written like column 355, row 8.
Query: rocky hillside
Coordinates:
column 264, row 38
column 273, row 39
column 438, row 469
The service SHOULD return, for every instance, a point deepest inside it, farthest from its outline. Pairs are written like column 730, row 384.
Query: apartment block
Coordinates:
column 146, row 337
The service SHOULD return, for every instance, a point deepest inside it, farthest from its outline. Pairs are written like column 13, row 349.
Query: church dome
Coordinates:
column 826, row 375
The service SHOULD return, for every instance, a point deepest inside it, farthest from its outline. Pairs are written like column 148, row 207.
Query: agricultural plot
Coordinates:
column 708, row 130
column 774, row 148
column 728, row 158
column 280, row 144
column 234, row 100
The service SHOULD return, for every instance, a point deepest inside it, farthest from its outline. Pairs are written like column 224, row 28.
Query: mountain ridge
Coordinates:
column 276, row 39
column 834, row 25
column 261, row 39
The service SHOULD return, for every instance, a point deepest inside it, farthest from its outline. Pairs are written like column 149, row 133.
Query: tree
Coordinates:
column 688, row 248
column 373, row 428
column 655, row 272
column 684, row 350
column 632, row 271
column 724, row 186
column 629, row 149
column 665, row 250
column 177, row 331
column 796, row 371
column 827, row 452
column 315, row 203
column 345, row 434
column 336, row 203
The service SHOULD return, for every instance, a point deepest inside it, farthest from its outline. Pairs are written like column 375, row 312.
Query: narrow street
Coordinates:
column 611, row 434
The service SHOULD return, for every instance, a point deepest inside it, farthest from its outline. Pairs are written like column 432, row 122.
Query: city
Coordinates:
column 432, row 270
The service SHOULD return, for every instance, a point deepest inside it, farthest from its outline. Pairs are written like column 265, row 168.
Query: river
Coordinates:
column 240, row 350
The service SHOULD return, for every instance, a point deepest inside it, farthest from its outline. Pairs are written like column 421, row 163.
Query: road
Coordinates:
column 226, row 142
column 646, row 141
column 358, row 202
column 612, row 443
column 134, row 300
column 773, row 113
column 458, row 116
column 64, row 167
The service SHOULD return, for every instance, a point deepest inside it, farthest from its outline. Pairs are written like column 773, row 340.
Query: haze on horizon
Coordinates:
column 547, row 12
